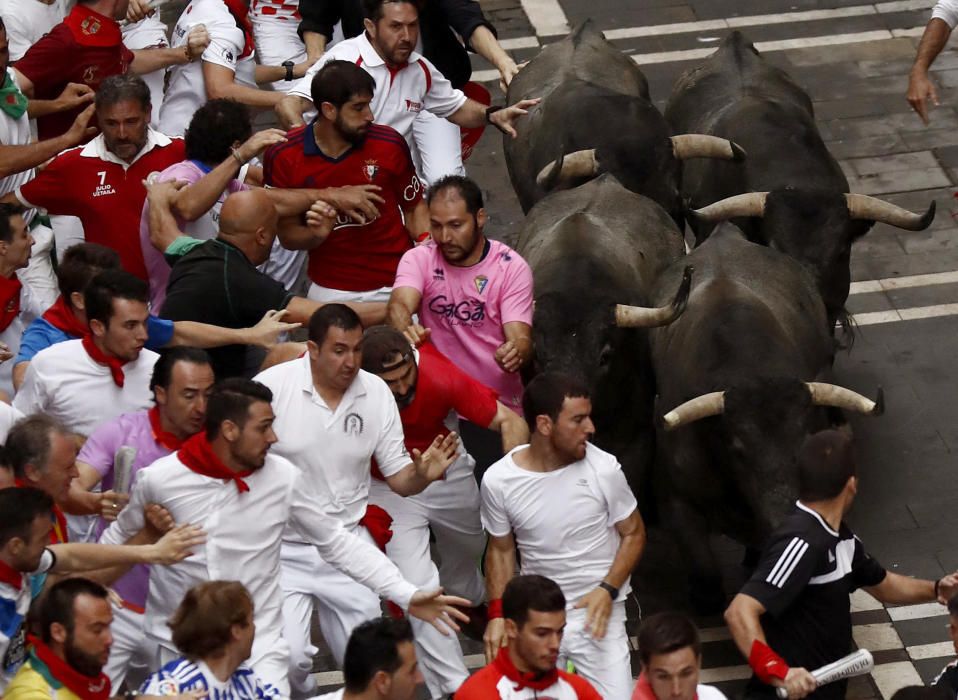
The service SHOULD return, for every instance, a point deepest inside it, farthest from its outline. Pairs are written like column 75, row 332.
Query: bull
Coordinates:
column 790, row 193
column 595, row 116
column 595, row 252
column 741, row 375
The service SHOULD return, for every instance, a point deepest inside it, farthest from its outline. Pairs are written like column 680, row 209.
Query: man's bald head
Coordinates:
column 247, row 211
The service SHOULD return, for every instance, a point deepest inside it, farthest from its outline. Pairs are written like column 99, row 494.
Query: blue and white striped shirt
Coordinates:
column 181, row 675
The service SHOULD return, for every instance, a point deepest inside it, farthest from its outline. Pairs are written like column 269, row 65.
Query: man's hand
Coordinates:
column 437, row 458
column 920, row 90
column 74, row 95
column 161, row 194
column 507, row 356
column 507, row 116
column 111, row 503
column 157, row 520
column 289, row 112
column 507, row 71
column 798, row 682
column 137, row 10
column 299, row 69
column 438, row 610
column 259, row 142
column 177, row 544
column 598, row 608
column 5, row 352
column 80, row 131
column 266, row 332
column 416, row 334
column 494, row 638
column 321, row 216
column 356, row 201
column 197, row 41
column 947, row 587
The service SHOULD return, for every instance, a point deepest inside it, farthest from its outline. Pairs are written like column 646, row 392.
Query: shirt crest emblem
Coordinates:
column 370, row 169
column 91, row 25
column 481, row 281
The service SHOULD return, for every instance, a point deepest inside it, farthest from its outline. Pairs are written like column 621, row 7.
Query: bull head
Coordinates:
column 649, row 317
column 822, row 394
column 860, row 206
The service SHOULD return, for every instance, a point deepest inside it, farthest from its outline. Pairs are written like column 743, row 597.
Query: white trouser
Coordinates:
column 436, row 147
column 130, row 655
column 149, row 33
column 451, row 507
column 39, row 275
column 603, row 662
column 328, row 295
column 277, row 41
column 341, row 602
column 67, row 231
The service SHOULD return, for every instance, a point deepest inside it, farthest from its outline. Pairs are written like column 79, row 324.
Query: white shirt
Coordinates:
column 186, row 90
column 8, row 416
column 14, row 604
column 182, row 675
column 26, row 21
column 334, row 448
column 243, row 535
column 946, row 10
column 564, row 520
column 15, row 132
column 64, row 382
column 399, row 99
column 708, row 692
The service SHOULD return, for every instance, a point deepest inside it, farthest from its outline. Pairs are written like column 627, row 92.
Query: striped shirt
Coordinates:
column 182, row 675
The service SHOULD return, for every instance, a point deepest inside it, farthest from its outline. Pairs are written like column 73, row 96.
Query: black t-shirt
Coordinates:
column 948, row 679
column 804, row 579
column 215, row 283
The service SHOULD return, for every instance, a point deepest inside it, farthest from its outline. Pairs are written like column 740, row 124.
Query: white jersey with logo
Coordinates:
column 399, row 97
column 186, row 90
column 334, row 447
column 182, row 675
column 564, row 520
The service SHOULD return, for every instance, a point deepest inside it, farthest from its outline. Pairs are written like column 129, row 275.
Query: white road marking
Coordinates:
column 895, row 676
column 931, row 651
column 862, row 600
column 877, row 637
column 917, row 612
column 546, row 17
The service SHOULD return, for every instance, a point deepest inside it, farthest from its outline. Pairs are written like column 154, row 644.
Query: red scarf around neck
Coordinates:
column 115, row 364
column 10, row 288
column 240, row 13
column 535, row 681
column 85, row 687
column 62, row 318
column 197, row 454
column 10, row 576
column 162, row 437
column 90, row 28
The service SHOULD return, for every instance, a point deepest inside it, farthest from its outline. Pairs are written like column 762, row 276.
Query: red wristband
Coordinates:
column 494, row 609
column 423, row 236
column 766, row 663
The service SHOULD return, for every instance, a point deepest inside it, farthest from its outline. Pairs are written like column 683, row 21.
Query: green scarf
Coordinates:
column 12, row 101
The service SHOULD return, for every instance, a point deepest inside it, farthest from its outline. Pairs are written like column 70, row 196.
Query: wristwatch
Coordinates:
column 288, row 65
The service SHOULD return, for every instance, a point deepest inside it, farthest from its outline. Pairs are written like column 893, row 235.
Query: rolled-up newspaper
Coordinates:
column 122, row 468
column 857, row 663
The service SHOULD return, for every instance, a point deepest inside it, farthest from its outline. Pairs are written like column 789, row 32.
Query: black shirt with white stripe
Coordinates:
column 803, row 580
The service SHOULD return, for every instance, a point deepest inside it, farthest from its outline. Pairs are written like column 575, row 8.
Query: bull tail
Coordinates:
column 845, row 339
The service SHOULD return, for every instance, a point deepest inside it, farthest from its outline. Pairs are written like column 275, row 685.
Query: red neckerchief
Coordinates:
column 85, row 687
column 162, row 437
column 377, row 522
column 10, row 576
column 115, row 364
column 62, row 318
column 58, row 535
column 535, row 681
column 240, row 13
column 90, row 28
column 10, row 288
column 197, row 454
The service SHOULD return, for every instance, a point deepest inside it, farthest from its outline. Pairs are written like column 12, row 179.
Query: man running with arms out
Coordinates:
column 590, row 555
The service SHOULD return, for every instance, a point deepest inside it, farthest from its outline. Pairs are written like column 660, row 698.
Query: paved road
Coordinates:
column 853, row 59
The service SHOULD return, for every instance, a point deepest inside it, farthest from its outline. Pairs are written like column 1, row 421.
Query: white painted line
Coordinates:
column 928, row 312
column 865, row 287
column 726, row 673
column 861, row 600
column 917, row 612
column 670, row 56
column 932, row 651
column 485, row 76
column 911, row 31
column 895, row 676
column 546, row 17
column 522, row 42
column 325, row 678
column 707, row 25
column 888, row 284
column 903, row 6
column 805, row 16
column 877, row 637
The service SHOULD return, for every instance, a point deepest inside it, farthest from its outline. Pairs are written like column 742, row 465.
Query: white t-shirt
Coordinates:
column 15, row 132
column 946, row 10
column 26, row 21
column 334, row 448
column 186, row 90
column 708, row 692
column 563, row 521
column 399, row 98
column 8, row 416
column 64, row 382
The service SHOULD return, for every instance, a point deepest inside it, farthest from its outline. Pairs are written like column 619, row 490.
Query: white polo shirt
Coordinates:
column 399, row 98
column 576, row 552
column 63, row 381
column 334, row 448
column 186, row 90
column 243, row 536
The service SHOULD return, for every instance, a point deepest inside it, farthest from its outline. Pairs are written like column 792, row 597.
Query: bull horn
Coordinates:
column 648, row 317
column 831, row 395
column 748, row 204
column 578, row 164
column 687, row 146
column 861, row 206
column 711, row 404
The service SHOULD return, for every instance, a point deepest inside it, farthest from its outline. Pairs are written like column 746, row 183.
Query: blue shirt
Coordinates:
column 182, row 675
column 41, row 334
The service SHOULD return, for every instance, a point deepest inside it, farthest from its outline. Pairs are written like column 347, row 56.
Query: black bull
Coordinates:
column 595, row 252
column 739, row 376
column 789, row 192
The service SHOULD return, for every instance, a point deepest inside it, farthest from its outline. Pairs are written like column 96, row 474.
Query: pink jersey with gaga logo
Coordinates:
column 466, row 307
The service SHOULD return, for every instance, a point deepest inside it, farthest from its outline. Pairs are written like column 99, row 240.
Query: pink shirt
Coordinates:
column 466, row 307
column 204, row 228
